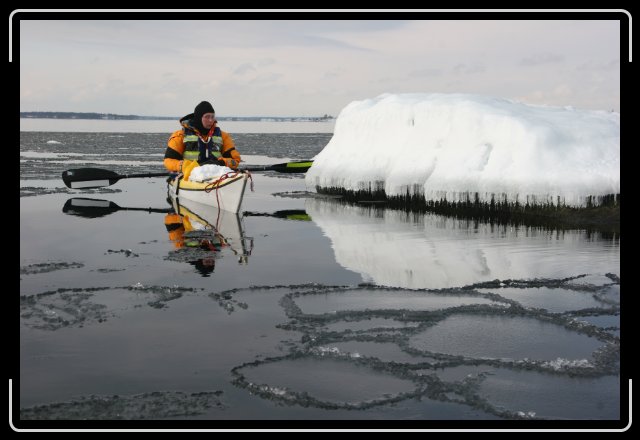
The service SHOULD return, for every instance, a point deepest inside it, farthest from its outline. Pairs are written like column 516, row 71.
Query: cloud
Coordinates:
column 541, row 58
column 244, row 68
column 468, row 69
column 425, row 73
column 309, row 67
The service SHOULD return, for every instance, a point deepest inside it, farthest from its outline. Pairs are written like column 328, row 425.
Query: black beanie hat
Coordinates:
column 201, row 109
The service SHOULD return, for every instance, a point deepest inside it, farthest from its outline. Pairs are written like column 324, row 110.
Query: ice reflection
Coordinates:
column 418, row 250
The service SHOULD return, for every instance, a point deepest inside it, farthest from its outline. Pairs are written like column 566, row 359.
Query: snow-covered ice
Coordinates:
column 454, row 146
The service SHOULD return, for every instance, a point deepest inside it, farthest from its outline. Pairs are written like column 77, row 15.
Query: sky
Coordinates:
column 310, row 67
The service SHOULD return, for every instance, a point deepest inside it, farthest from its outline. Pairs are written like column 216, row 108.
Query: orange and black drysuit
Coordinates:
column 188, row 148
column 175, row 228
column 177, row 225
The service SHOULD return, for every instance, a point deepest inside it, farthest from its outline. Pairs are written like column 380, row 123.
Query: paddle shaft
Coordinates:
column 158, row 210
column 287, row 214
column 131, row 176
column 82, row 178
column 301, row 166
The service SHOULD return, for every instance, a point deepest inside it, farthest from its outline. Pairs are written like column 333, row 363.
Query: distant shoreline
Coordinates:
column 111, row 116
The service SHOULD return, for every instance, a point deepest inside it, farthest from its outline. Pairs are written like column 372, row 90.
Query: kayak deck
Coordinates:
column 226, row 192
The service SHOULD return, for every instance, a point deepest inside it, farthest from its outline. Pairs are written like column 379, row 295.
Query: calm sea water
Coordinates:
column 300, row 308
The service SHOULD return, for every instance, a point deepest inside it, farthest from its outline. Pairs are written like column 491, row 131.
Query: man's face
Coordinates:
column 208, row 119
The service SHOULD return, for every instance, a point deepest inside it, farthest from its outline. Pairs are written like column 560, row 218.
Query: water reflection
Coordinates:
column 198, row 232
column 423, row 250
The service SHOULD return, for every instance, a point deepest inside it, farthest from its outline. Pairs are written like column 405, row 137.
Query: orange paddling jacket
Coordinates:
column 188, row 144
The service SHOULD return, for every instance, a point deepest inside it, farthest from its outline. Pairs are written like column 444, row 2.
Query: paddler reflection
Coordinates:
column 177, row 225
column 200, row 233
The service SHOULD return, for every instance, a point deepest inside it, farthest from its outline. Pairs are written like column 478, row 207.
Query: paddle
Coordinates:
column 286, row 214
column 299, row 166
column 81, row 178
column 94, row 208
column 98, row 178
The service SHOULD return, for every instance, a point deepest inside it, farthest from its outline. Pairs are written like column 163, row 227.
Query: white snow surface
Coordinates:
column 452, row 146
column 208, row 172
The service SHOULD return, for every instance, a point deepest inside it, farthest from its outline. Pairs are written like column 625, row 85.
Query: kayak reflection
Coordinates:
column 200, row 232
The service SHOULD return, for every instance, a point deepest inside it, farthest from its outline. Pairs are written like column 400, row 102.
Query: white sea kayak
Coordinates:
column 225, row 192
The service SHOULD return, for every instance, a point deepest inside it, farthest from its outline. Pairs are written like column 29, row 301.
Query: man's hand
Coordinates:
column 229, row 162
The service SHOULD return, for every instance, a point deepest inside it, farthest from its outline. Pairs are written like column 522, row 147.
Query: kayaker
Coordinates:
column 200, row 141
column 177, row 225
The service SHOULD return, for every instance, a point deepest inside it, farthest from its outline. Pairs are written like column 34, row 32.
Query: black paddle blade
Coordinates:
column 89, row 208
column 94, row 208
column 89, row 178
